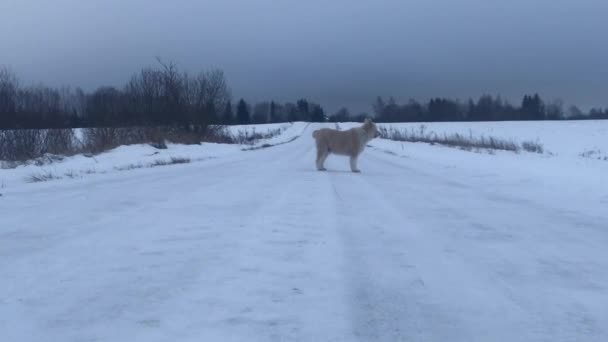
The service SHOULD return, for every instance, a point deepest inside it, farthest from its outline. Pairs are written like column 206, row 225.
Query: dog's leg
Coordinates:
column 353, row 164
column 325, row 155
column 321, row 156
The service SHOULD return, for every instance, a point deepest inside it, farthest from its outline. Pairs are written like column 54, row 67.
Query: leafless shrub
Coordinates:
column 21, row 144
column 185, row 136
column 155, row 136
column 219, row 134
column 28, row 144
column 100, row 139
column 47, row 159
column 60, row 141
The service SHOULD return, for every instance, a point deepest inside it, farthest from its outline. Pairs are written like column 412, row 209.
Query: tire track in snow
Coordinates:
column 407, row 283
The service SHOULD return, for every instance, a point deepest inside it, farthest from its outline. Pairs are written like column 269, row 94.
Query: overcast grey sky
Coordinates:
column 335, row 52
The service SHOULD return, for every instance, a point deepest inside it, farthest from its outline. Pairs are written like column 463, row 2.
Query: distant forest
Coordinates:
column 166, row 96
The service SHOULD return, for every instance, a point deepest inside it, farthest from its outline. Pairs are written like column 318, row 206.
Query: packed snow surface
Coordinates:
column 428, row 243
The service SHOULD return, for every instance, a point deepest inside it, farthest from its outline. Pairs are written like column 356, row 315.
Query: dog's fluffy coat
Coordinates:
column 347, row 143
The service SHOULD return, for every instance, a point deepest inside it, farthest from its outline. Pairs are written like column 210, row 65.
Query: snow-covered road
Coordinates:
column 259, row 246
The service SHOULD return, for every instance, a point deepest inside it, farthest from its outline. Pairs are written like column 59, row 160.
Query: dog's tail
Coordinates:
column 315, row 134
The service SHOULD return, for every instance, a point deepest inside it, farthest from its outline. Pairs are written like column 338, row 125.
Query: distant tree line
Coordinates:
column 486, row 108
column 164, row 96
column 152, row 97
column 274, row 112
column 161, row 96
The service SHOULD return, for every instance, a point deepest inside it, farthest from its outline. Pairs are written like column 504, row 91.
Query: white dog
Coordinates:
column 347, row 143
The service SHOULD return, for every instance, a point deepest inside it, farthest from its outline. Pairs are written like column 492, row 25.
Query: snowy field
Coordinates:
column 588, row 138
column 141, row 156
column 428, row 243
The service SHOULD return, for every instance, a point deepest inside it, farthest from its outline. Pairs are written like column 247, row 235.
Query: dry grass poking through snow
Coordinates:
column 156, row 163
column 533, row 146
column 457, row 140
column 594, row 154
column 41, row 177
column 48, row 176
column 172, row 161
column 251, row 138
column 21, row 145
column 270, row 145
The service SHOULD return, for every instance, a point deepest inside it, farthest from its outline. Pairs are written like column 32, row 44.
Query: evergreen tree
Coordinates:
column 242, row 113
column 532, row 108
column 303, row 110
column 273, row 112
column 228, row 116
column 379, row 106
column 317, row 114
column 343, row 115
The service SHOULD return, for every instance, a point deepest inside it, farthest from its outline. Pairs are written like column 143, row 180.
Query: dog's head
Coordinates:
column 370, row 127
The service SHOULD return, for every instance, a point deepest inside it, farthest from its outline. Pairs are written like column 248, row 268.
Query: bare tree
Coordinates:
column 217, row 92
column 8, row 97
column 555, row 110
column 342, row 115
column 212, row 94
column 574, row 112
